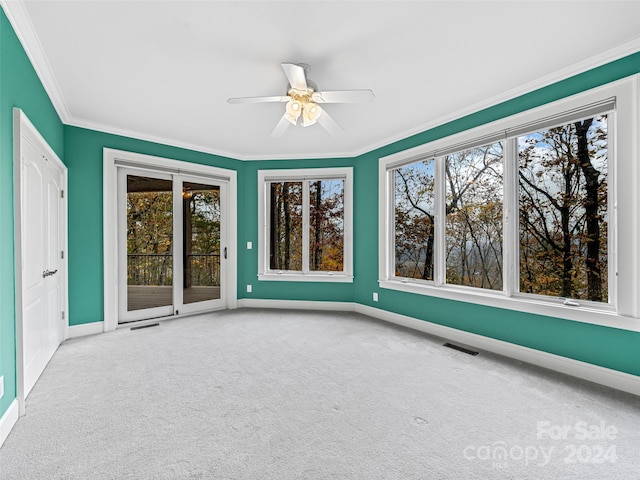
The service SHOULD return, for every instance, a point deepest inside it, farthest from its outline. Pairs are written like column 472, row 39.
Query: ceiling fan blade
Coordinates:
column 329, row 124
column 277, row 98
column 281, row 127
column 344, row 96
column 295, row 75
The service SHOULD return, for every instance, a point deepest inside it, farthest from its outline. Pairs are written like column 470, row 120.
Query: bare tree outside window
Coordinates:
column 414, row 220
column 286, row 226
column 473, row 198
column 563, row 210
column 149, row 231
column 201, row 239
column 323, row 216
column 326, row 225
column 474, row 191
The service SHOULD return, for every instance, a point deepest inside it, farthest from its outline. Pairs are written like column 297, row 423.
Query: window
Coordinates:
column 285, row 226
column 326, row 225
column 473, row 224
column 305, row 224
column 562, row 179
column 414, row 213
column 521, row 213
column 562, row 205
column 473, row 217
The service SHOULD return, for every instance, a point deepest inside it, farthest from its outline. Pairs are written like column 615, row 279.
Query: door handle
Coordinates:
column 48, row 273
column 225, row 252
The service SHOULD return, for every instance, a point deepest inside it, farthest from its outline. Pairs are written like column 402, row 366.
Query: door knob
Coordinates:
column 48, row 273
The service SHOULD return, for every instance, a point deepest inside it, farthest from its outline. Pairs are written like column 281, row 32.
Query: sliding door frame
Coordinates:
column 124, row 314
column 114, row 159
column 212, row 304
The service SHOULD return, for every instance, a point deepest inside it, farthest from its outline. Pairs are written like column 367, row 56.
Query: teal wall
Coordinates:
column 19, row 87
column 83, row 154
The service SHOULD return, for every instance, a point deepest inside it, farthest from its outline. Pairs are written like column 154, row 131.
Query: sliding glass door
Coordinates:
column 201, row 243
column 170, row 244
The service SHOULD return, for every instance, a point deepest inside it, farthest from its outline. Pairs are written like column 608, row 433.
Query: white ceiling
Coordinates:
column 163, row 70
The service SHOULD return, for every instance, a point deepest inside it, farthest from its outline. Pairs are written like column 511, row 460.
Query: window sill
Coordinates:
column 604, row 316
column 306, row 277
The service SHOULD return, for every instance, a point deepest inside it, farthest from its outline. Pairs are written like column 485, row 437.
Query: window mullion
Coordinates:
column 510, row 267
column 305, row 226
column 390, row 225
column 264, row 223
column 439, row 267
column 612, row 210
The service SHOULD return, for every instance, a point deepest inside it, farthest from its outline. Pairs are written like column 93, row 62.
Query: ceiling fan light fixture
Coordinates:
column 294, row 109
column 310, row 114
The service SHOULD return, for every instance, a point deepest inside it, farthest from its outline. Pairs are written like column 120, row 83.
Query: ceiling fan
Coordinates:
column 303, row 99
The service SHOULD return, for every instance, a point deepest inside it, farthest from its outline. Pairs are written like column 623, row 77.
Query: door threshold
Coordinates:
column 150, row 321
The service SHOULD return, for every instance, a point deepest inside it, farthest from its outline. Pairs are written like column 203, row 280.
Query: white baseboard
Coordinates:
column 85, row 329
column 587, row 371
column 8, row 420
column 296, row 304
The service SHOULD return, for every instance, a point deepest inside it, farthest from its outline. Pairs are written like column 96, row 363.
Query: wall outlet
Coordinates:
column 249, row 288
column 249, row 245
column 375, row 296
column 2, row 386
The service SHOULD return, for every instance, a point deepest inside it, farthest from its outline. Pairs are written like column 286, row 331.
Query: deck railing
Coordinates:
column 201, row 269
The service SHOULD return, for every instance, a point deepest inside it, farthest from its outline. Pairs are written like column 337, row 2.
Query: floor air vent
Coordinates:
column 460, row 349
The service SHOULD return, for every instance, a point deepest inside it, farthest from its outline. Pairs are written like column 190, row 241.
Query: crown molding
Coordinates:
column 18, row 16
column 20, row 20
column 616, row 53
column 123, row 132
column 169, row 142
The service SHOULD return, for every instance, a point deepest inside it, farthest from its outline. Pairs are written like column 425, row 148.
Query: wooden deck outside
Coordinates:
column 141, row 297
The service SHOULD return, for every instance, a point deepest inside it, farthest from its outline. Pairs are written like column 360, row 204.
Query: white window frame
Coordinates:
column 623, row 309
column 306, row 175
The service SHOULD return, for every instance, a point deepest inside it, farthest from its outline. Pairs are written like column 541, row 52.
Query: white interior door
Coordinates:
column 171, row 244
column 42, row 232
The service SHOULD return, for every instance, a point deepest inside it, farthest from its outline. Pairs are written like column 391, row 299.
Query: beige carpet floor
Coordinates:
column 268, row 394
